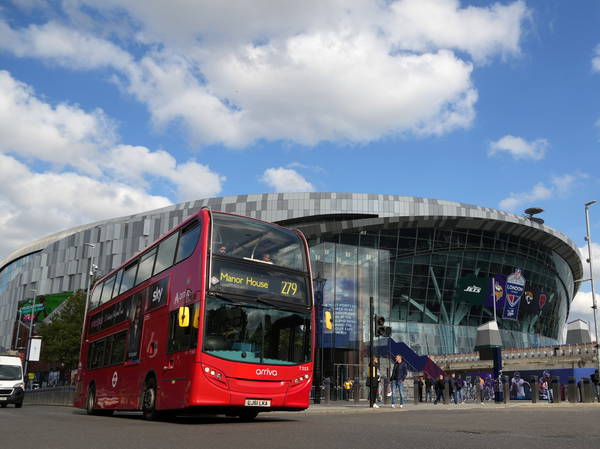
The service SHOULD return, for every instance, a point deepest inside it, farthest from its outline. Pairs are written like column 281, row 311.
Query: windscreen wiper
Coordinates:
column 275, row 301
column 235, row 302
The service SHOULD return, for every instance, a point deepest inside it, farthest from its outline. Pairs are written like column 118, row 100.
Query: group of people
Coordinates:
column 425, row 385
column 476, row 388
column 396, row 385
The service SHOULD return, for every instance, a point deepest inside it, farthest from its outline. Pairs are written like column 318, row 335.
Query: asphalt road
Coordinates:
column 540, row 427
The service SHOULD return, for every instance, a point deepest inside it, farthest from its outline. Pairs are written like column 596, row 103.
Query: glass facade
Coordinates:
column 413, row 274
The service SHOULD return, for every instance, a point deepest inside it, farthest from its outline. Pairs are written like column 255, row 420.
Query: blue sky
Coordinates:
column 109, row 107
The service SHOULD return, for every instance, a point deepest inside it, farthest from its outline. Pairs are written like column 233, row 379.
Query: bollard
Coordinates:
column 587, row 390
column 572, row 396
column 498, row 390
column 446, row 392
column 327, row 388
column 416, row 391
column 505, row 388
column 386, row 387
column 555, row 389
column 535, row 389
column 356, row 390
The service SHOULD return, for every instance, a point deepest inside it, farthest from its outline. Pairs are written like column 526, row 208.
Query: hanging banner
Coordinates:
column 542, row 300
column 472, row 290
column 496, row 292
column 515, row 287
column 44, row 306
column 530, row 302
column 35, row 347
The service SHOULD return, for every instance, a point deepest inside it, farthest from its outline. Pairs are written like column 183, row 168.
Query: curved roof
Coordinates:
column 320, row 212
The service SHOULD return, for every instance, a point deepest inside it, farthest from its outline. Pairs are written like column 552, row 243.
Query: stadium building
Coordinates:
column 434, row 268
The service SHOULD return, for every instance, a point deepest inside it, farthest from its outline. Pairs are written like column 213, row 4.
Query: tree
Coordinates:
column 61, row 337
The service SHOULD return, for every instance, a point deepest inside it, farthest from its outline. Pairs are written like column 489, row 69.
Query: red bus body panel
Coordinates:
column 181, row 377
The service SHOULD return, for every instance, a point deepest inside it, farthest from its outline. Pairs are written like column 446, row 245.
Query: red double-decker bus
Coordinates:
column 216, row 316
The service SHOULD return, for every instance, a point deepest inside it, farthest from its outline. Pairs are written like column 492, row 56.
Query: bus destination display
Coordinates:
column 255, row 283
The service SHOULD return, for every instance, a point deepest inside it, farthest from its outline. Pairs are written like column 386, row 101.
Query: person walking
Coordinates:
column 596, row 381
column 397, row 378
column 546, row 387
column 374, row 379
column 480, row 383
column 428, row 385
column 452, row 388
column 439, row 389
column 460, row 389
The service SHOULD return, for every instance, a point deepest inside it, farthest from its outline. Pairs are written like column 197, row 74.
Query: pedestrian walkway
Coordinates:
column 341, row 407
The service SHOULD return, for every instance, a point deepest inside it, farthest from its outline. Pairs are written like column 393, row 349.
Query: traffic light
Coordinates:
column 328, row 322
column 381, row 330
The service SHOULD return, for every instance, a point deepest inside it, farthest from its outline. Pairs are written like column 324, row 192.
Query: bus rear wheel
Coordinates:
column 90, row 404
column 149, row 401
column 90, row 401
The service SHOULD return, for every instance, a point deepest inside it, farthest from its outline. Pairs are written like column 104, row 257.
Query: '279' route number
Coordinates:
column 289, row 288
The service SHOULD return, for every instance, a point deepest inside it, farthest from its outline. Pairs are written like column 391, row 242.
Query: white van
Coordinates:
column 12, row 387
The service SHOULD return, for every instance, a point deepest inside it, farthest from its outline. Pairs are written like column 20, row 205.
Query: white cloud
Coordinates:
column 36, row 204
column 559, row 185
column 595, row 263
column 421, row 24
column 596, row 59
column 286, row 180
column 61, row 45
column 91, row 177
column 64, row 134
column 515, row 200
column 136, row 163
column 307, row 72
column 519, row 148
column 581, row 307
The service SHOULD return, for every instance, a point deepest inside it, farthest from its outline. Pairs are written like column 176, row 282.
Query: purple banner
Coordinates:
column 515, row 286
column 496, row 292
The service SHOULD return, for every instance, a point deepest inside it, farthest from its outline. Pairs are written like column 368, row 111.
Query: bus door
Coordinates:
column 133, row 352
column 178, row 369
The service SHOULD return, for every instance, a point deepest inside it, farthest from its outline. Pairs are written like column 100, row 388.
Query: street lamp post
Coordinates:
column 588, row 238
column 18, row 329
column 319, row 284
column 31, row 318
column 91, row 273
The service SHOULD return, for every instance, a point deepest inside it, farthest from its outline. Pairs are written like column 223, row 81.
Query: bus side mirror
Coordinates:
column 184, row 317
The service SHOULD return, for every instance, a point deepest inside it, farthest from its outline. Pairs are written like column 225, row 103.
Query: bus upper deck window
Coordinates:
column 187, row 241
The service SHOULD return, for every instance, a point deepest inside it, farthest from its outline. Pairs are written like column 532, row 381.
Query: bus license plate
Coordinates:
column 258, row 403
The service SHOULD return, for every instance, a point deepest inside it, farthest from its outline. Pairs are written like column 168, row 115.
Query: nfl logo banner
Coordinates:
column 515, row 286
column 496, row 291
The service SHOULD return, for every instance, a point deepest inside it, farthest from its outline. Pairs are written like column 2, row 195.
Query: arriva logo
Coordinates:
column 473, row 289
column 267, row 372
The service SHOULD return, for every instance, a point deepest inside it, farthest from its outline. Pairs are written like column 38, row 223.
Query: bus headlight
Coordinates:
column 213, row 373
